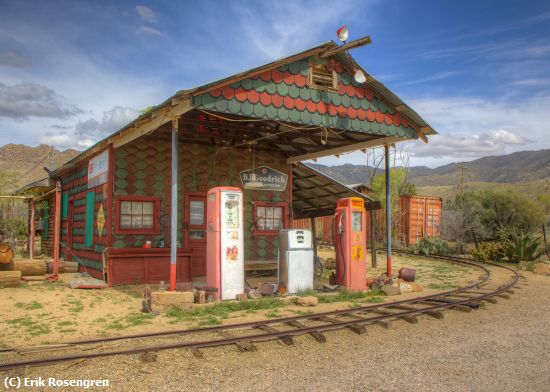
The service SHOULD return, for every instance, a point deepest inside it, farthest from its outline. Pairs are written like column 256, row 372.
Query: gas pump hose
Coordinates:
column 343, row 258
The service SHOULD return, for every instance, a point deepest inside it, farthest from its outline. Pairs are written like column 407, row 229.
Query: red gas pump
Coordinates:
column 350, row 240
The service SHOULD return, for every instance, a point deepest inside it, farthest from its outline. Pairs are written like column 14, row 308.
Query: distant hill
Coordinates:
column 27, row 163
column 512, row 168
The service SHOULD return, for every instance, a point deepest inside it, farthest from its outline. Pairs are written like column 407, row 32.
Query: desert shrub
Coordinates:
column 488, row 213
column 522, row 247
column 489, row 251
column 432, row 246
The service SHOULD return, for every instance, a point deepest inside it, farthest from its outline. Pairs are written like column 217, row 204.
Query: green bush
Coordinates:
column 432, row 246
column 489, row 251
column 522, row 247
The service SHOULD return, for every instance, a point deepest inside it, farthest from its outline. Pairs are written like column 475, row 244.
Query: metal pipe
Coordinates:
column 32, row 233
column 174, row 207
column 388, row 210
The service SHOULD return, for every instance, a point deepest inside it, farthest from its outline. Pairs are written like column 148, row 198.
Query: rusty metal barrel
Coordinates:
column 407, row 274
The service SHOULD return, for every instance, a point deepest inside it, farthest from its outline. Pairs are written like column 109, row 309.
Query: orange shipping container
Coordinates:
column 419, row 217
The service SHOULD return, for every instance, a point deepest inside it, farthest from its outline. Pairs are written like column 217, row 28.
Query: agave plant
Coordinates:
column 522, row 247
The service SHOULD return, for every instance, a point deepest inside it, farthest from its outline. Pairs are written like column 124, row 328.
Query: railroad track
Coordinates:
column 244, row 335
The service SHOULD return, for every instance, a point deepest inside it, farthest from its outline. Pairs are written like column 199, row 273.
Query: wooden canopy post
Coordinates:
column 31, row 230
column 56, row 231
column 388, row 210
column 314, row 235
column 372, row 238
column 174, row 206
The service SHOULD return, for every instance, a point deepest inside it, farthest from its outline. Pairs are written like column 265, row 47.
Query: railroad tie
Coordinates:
column 407, row 317
column 243, row 346
column 198, row 354
column 358, row 329
column 320, row 337
column 286, row 339
column 433, row 313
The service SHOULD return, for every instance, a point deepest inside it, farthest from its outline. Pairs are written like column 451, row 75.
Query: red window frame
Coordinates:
column 284, row 217
column 156, row 215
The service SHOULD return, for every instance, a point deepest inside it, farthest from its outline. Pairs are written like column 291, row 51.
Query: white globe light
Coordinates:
column 359, row 76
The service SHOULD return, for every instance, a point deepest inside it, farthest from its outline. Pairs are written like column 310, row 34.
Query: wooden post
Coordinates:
column 372, row 238
column 174, row 206
column 388, row 210
column 31, row 231
column 314, row 235
column 56, row 231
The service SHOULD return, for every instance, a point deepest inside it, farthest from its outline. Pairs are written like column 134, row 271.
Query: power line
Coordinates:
column 35, row 166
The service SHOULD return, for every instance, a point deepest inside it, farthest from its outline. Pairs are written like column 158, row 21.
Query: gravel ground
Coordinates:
column 504, row 347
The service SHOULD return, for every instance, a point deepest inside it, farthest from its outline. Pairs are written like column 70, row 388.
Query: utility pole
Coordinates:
column 53, row 155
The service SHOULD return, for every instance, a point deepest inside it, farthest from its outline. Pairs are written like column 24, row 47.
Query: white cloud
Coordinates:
column 64, row 140
column 146, row 13
column 468, row 146
column 21, row 100
column 13, row 58
column 150, row 30
column 88, row 132
column 112, row 121
column 431, row 78
column 282, row 28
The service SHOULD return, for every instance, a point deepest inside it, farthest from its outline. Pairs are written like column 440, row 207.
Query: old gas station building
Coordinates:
column 135, row 203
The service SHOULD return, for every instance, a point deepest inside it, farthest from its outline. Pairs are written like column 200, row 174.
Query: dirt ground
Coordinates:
column 503, row 347
column 45, row 313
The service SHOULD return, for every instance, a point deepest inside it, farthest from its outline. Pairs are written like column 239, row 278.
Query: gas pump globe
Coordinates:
column 350, row 241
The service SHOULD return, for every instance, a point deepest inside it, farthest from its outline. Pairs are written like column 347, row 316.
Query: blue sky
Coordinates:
column 72, row 72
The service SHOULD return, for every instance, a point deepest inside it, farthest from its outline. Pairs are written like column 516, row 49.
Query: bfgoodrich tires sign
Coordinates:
column 264, row 178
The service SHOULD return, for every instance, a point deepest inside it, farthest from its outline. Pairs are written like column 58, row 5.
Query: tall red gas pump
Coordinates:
column 224, row 241
column 350, row 239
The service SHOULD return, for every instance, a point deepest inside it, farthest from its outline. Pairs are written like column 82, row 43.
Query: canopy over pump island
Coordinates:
column 204, row 183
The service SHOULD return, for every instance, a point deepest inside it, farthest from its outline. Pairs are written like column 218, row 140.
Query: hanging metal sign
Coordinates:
column 264, row 178
column 98, row 168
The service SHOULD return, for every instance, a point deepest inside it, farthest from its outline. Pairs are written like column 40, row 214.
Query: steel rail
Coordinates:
column 290, row 318
column 282, row 333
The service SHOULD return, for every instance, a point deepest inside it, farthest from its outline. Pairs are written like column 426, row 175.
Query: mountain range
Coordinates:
column 512, row 168
column 27, row 163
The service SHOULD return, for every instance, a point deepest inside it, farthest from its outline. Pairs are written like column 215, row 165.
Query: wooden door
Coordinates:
column 195, row 231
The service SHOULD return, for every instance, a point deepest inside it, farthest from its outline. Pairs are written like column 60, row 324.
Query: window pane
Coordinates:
column 126, row 207
column 125, row 221
column 261, row 224
column 147, row 208
column 147, row 221
column 137, row 207
column 197, row 234
column 261, row 212
column 196, row 212
column 136, row 222
column 277, row 212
